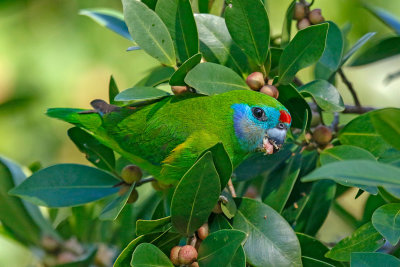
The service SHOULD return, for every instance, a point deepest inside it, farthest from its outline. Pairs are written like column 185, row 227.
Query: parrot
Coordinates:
column 165, row 137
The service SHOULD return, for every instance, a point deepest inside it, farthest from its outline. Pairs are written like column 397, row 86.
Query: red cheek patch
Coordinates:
column 285, row 117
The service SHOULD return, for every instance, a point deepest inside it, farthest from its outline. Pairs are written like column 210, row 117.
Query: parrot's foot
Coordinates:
column 270, row 146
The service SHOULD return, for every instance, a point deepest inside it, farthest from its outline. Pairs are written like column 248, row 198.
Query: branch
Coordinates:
column 146, row 180
column 350, row 87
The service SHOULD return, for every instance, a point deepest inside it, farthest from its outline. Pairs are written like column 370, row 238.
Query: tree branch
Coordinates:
column 350, row 87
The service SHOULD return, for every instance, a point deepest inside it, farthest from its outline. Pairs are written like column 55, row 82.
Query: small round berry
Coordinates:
column 299, row 11
column 302, row 24
column 178, row 90
column 66, row 257
column 203, row 231
column 133, row 196
column 131, row 174
column 255, row 81
column 315, row 16
column 187, row 254
column 270, row 90
column 194, row 264
column 174, row 255
column 49, row 244
column 322, row 135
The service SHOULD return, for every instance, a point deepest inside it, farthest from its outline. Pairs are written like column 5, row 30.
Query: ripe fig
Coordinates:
column 131, row 174
column 187, row 254
column 322, row 135
column 300, row 11
column 174, row 255
column 203, row 231
column 194, row 264
column 178, row 90
column 255, row 81
column 302, row 24
column 315, row 16
column 270, row 90
column 133, row 196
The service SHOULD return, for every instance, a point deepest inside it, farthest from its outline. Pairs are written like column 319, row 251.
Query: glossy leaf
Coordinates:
column 111, row 19
column 97, row 153
column 296, row 104
column 248, row 24
column 344, row 152
column 66, row 185
column 287, row 25
column 157, row 76
column 304, row 50
column 271, row 241
column 369, row 259
column 178, row 78
column 189, row 208
column 280, row 183
column 387, row 124
column 387, row 221
column 178, row 17
column 219, row 248
column 219, row 222
column 229, row 207
column 140, row 93
column 364, row 239
column 152, row 226
column 149, row 32
column 216, row 44
column 387, row 18
column 149, row 255
column 325, row 94
column 362, row 41
column 210, row 78
column 112, row 90
column 150, row 3
column 114, row 207
column 313, row 251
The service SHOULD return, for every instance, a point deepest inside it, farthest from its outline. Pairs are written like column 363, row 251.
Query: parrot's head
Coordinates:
column 261, row 127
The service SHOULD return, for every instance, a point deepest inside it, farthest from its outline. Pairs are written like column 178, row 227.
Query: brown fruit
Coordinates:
column 73, row 246
column 174, row 255
column 194, row 264
column 270, row 90
column 299, row 11
column 203, row 231
column 187, row 254
column 315, row 119
column 255, row 81
column 217, row 208
column 315, row 16
column 50, row 244
column 131, row 174
column 302, row 24
column 159, row 186
column 66, row 257
column 177, row 90
column 133, row 196
column 322, row 135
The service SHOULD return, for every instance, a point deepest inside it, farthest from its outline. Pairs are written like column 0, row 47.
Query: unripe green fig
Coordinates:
column 203, row 231
column 131, row 173
column 178, row 90
column 133, row 196
column 300, row 11
column 302, row 24
column 187, row 254
column 270, row 90
column 322, row 135
column 255, row 81
column 174, row 255
column 315, row 16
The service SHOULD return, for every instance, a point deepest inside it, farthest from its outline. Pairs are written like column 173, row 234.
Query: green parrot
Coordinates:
column 166, row 137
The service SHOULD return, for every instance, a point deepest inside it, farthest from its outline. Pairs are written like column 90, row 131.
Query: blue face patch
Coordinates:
column 251, row 123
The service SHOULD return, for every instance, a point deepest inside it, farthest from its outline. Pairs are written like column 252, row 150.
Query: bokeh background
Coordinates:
column 52, row 57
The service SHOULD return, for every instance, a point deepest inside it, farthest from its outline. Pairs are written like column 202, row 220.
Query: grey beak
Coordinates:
column 278, row 134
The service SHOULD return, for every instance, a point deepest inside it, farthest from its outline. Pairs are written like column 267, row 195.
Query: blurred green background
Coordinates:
column 52, row 57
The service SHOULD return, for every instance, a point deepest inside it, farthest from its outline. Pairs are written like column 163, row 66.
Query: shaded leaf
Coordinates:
column 229, row 207
column 152, row 226
column 287, row 25
column 387, row 124
column 313, row 251
column 219, row 222
column 112, row 90
column 344, row 152
column 362, row 41
column 325, row 94
column 178, row 78
column 146, row 255
column 369, row 259
column 114, row 207
column 150, row 3
column 140, row 93
column 387, row 221
column 157, row 76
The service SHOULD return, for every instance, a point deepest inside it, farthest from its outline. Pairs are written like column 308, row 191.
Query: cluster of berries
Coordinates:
column 257, row 82
column 305, row 17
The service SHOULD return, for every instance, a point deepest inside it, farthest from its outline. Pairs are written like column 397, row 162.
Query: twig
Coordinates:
column 335, row 122
column 146, row 180
column 356, row 110
column 231, row 188
column 350, row 87
column 297, row 81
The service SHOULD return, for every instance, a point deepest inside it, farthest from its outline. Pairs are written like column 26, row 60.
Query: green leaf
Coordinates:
column 271, row 241
column 150, row 3
column 364, row 172
column 361, row 132
column 296, row 104
column 287, row 25
column 248, row 24
column 385, row 48
column 330, row 60
column 293, row 212
column 140, row 93
column 178, row 17
column 178, row 78
column 387, row 124
column 203, row 6
column 364, row 239
column 97, row 153
column 387, row 18
column 229, row 207
column 210, row 78
column 317, row 207
column 312, row 250
column 216, row 44
column 114, row 207
column 109, row 18
column 165, row 242
column 344, row 152
column 362, row 41
column 325, row 94
column 157, row 76
column 304, row 50
column 359, row 259
column 112, row 90
column 281, row 182
column 146, row 255
column 190, row 208
column 219, row 222
column 66, row 185
column 386, row 220
column 152, row 226
column 149, row 32
column 219, row 248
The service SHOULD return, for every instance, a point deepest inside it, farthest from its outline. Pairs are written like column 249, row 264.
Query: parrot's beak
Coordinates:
column 274, row 138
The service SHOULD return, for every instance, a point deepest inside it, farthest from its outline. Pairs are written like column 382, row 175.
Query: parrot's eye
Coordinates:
column 259, row 114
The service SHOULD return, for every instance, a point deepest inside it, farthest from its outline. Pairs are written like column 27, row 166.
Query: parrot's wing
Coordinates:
column 185, row 155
